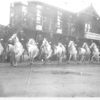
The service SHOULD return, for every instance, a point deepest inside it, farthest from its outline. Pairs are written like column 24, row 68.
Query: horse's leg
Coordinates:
column 98, row 58
column 15, row 63
column 92, row 58
column 70, row 56
column 22, row 57
column 16, row 60
column 33, row 60
column 30, row 58
column 12, row 58
column 83, row 58
column 79, row 58
column 60, row 59
column 0, row 58
column 44, row 59
column 89, row 57
column 75, row 57
column 40, row 55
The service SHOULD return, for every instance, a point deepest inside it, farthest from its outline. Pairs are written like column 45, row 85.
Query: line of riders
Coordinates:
column 46, row 51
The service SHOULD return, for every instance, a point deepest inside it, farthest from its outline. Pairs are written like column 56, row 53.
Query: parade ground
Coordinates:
column 50, row 80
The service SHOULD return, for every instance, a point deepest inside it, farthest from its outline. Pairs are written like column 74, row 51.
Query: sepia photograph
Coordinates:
column 49, row 48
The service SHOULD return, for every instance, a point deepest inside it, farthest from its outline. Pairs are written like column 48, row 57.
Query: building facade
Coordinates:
column 37, row 18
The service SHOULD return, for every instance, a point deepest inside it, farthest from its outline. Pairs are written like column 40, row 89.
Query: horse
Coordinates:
column 81, row 53
column 16, row 49
column 33, row 50
column 88, row 51
column 72, row 50
column 60, row 51
column 46, row 50
column 95, row 51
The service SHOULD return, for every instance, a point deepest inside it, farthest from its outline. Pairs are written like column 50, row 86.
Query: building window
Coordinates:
column 12, row 14
column 87, row 27
column 24, row 10
column 12, row 5
column 39, row 18
column 59, row 22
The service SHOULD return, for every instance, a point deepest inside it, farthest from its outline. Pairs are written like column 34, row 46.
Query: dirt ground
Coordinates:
column 50, row 80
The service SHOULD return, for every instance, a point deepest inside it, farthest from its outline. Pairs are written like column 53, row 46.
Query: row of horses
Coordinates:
column 47, row 50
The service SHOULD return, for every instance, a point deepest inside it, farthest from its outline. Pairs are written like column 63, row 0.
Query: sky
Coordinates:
column 70, row 5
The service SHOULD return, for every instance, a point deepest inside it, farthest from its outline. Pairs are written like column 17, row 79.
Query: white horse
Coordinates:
column 95, row 51
column 81, row 52
column 60, row 51
column 16, row 48
column 88, row 52
column 46, row 49
column 72, row 50
column 33, row 50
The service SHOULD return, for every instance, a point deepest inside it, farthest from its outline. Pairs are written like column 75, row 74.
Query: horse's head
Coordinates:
column 92, row 45
column 85, row 45
column 71, row 43
column 14, row 38
column 44, row 41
